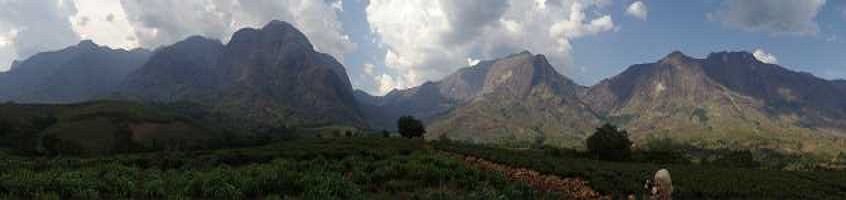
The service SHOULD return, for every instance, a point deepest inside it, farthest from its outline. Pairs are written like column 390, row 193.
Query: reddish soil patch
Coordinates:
column 572, row 188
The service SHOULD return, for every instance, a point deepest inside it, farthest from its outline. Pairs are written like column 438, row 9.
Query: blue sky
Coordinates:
column 388, row 44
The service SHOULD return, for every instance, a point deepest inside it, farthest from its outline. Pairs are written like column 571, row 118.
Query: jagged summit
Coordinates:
column 272, row 34
column 675, row 58
column 676, row 54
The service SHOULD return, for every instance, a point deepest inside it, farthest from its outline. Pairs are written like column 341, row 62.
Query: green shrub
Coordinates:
column 610, row 143
column 410, row 127
column 328, row 186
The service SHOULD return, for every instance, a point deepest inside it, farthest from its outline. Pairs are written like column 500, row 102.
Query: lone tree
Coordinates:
column 410, row 127
column 610, row 143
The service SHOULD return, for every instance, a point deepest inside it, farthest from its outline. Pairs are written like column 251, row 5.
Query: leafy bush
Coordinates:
column 610, row 143
column 410, row 127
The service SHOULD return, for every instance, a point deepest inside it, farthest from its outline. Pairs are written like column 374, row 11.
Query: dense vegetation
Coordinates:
column 410, row 127
column 690, row 181
column 610, row 143
column 341, row 168
column 40, row 145
column 101, row 127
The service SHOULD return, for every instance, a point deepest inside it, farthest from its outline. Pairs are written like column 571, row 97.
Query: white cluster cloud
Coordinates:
column 472, row 62
column 104, row 22
column 774, row 16
column 427, row 39
column 386, row 83
column 368, row 68
column 32, row 26
column 7, row 38
column 638, row 10
column 162, row 22
column 764, row 57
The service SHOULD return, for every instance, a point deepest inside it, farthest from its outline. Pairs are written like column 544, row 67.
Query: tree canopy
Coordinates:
column 610, row 143
column 410, row 127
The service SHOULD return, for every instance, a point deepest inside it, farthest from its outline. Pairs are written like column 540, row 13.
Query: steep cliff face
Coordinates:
column 725, row 100
column 77, row 73
column 271, row 75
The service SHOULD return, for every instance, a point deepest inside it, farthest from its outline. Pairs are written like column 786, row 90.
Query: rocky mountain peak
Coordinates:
column 675, row 58
column 275, row 34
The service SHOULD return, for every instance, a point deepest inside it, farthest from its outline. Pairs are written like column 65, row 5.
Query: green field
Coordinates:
column 376, row 168
column 346, row 168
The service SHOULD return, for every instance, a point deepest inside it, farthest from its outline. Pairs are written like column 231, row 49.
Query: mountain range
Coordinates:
column 273, row 76
column 76, row 73
column 519, row 97
column 728, row 99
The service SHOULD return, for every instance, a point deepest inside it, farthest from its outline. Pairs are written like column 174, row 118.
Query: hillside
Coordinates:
column 77, row 73
column 516, row 99
column 100, row 127
column 727, row 100
column 270, row 76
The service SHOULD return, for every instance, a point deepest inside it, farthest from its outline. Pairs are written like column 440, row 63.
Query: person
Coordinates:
column 661, row 185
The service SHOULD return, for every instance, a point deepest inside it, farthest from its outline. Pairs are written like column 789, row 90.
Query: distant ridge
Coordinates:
column 77, row 73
